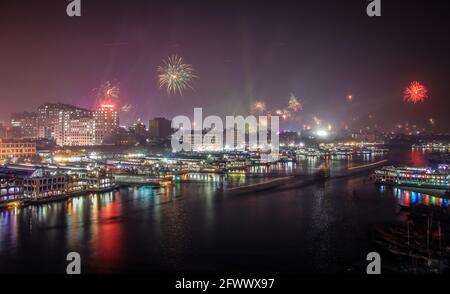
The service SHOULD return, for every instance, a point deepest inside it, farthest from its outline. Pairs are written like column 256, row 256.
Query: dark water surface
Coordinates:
column 189, row 227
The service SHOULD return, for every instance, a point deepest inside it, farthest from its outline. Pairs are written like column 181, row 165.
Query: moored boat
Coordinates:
column 415, row 178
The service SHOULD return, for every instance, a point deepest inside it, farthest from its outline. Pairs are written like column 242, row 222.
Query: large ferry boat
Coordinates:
column 21, row 184
column 420, row 179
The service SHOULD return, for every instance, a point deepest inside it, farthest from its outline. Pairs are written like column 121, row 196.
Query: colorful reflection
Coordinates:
column 8, row 226
column 108, row 241
column 96, row 220
column 411, row 198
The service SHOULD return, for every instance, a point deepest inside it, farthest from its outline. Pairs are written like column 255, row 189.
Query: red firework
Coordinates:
column 415, row 93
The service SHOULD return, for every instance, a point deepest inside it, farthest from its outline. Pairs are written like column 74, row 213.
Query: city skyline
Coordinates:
column 224, row 144
column 259, row 57
column 68, row 125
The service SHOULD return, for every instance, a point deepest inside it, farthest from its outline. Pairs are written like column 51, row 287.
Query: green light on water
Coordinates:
column 433, row 200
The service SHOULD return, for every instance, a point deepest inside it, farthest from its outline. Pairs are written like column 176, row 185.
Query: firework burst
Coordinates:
column 415, row 93
column 175, row 75
column 294, row 103
column 259, row 107
column 432, row 121
column 127, row 108
column 285, row 114
column 108, row 91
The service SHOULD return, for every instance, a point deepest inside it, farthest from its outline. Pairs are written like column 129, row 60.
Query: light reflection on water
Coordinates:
column 412, row 198
column 311, row 164
column 147, row 228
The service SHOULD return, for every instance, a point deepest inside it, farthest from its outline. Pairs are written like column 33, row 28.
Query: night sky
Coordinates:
column 242, row 51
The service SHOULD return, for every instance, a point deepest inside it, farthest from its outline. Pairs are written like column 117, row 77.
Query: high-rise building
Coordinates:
column 25, row 125
column 75, row 129
column 106, row 121
column 138, row 129
column 160, row 128
column 49, row 118
column 68, row 125
column 81, row 132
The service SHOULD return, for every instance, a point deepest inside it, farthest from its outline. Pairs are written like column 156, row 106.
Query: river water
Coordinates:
column 190, row 227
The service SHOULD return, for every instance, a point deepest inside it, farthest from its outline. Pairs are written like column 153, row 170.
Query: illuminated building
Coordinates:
column 138, row 129
column 366, row 135
column 160, row 128
column 42, row 185
column 73, row 126
column 75, row 129
column 50, row 117
column 289, row 137
column 45, row 184
column 106, row 121
column 138, row 132
column 16, row 149
column 11, row 189
column 36, row 183
column 82, row 183
column 26, row 124
column 81, row 132
column 204, row 143
column 437, row 146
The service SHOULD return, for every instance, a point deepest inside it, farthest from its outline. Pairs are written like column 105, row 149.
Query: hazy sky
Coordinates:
column 242, row 51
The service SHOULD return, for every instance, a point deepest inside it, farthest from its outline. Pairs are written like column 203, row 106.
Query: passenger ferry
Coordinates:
column 420, row 179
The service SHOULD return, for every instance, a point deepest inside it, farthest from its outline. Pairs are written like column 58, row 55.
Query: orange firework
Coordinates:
column 294, row 104
column 415, row 93
column 285, row 115
column 259, row 107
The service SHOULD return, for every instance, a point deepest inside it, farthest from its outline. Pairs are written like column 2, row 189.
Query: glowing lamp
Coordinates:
column 322, row 133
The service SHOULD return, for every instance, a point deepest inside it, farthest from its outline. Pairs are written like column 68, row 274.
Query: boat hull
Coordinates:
column 425, row 189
